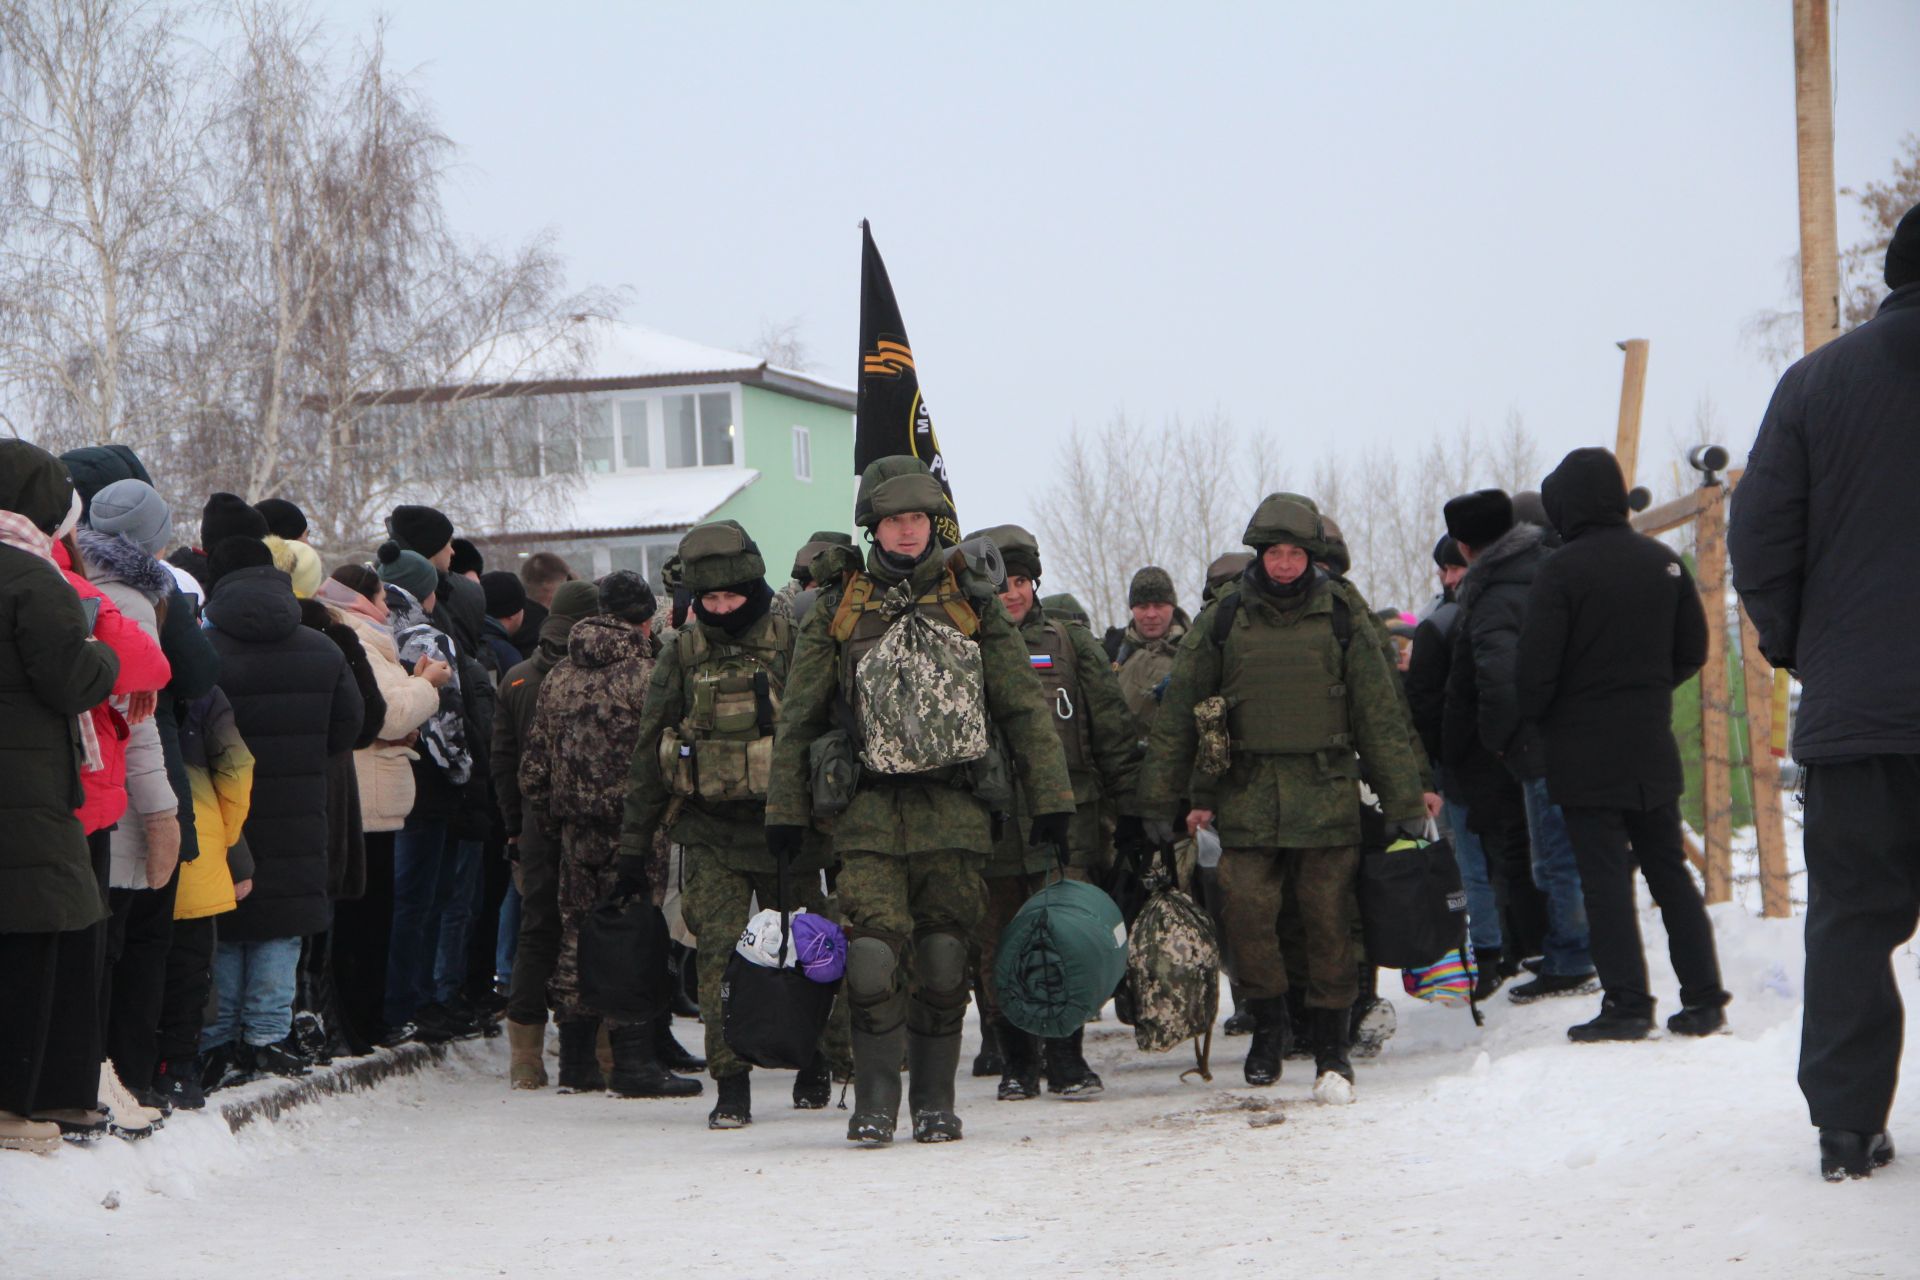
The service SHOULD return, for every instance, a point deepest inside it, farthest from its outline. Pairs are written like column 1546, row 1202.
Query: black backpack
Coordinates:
column 623, row 959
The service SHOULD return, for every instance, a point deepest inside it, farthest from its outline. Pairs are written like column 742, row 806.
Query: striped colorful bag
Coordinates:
column 1448, row 980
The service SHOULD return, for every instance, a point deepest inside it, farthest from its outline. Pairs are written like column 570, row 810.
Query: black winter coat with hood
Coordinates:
column 1483, row 700
column 1614, row 622
column 1823, row 555
column 296, row 704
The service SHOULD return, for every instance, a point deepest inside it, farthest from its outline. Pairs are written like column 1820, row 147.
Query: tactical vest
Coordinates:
column 1050, row 651
column 951, row 700
column 1285, row 684
column 1141, row 672
column 722, row 749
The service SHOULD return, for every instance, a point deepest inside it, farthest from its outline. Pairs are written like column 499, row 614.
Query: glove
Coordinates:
column 1158, row 831
column 1130, row 838
column 630, row 876
column 784, row 842
column 1051, row 829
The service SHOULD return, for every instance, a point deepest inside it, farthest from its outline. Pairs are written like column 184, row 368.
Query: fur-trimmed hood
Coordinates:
column 1509, row 559
column 115, row 557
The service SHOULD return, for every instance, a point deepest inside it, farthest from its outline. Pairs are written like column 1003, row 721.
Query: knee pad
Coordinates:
column 873, row 970
column 940, row 964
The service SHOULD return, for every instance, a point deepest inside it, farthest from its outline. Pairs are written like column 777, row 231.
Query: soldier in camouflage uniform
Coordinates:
column 573, row 775
column 909, row 841
column 802, row 578
column 1302, row 704
column 715, row 695
column 1101, row 740
column 1145, row 659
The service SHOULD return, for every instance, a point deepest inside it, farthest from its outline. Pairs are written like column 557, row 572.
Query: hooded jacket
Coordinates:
column 1822, row 554
column 573, row 766
column 220, row 770
column 1614, row 622
column 49, row 675
column 1483, row 702
column 295, row 704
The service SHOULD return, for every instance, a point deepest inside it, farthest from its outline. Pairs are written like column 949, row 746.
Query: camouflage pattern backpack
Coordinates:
column 1173, row 966
column 921, row 694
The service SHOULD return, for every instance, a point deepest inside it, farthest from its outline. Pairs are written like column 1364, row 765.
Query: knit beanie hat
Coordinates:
column 1903, row 251
column 1151, row 585
column 626, row 595
column 505, row 593
column 300, row 562
column 1446, row 553
column 466, row 558
column 419, row 529
column 1479, row 518
column 135, row 510
column 574, row 601
column 284, row 520
column 407, row 570
column 227, row 515
column 240, row 551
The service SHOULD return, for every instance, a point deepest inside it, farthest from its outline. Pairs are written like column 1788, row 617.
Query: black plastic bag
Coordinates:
column 1412, row 906
column 623, row 960
column 772, row 1017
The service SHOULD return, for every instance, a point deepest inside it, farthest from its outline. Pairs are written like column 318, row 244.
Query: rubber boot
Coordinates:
column 1240, row 1021
column 1272, row 1029
column 991, row 1060
column 1333, row 1074
column 932, row 1063
column 672, row 1054
column 876, row 1085
column 526, row 1041
column 686, row 982
column 813, row 1085
column 734, row 1110
column 637, row 1069
column 1067, row 1071
column 1020, row 1074
column 580, row 1070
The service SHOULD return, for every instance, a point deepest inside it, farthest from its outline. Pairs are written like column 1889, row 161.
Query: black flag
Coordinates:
column 892, row 416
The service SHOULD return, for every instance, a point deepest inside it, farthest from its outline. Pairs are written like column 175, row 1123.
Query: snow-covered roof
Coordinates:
column 647, row 501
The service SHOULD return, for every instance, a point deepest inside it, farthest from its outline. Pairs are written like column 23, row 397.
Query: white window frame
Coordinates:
column 654, row 400
column 803, row 454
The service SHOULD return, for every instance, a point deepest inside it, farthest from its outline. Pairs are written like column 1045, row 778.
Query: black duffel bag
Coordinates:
column 1412, row 906
column 773, row 1017
column 623, row 960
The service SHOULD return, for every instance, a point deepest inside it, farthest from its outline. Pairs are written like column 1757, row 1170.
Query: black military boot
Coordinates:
column 1845, row 1154
column 1333, row 1074
column 991, row 1060
column 579, row 1062
column 813, row 1085
column 1240, row 1021
column 637, row 1069
column 1299, row 1024
column 682, row 964
column 1020, row 1076
column 673, row 1055
column 1272, row 1030
column 1617, row 1021
column 735, row 1108
column 932, row 1063
column 1067, row 1071
column 876, row 1085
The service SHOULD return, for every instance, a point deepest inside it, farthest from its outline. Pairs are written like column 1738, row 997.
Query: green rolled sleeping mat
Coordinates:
column 1060, row 958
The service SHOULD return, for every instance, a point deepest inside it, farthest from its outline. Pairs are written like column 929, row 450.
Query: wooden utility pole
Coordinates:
column 1813, row 122
column 1716, row 771
column 1776, row 895
column 1633, row 395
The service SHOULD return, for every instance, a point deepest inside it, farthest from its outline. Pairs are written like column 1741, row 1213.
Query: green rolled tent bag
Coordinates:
column 1060, row 958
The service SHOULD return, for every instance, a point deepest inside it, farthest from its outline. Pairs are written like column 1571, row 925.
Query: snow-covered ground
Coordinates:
column 1470, row 1155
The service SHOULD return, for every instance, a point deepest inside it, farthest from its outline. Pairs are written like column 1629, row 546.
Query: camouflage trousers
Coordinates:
column 901, row 900
column 588, row 853
column 715, row 901
column 1005, row 895
column 1318, row 886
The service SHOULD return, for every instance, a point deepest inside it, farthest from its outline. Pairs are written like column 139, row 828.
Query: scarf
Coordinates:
column 759, row 598
column 346, row 599
column 19, row 532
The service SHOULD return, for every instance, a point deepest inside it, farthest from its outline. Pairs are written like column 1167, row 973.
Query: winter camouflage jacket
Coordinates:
column 1143, row 664
column 573, row 764
column 1284, row 801
column 906, row 816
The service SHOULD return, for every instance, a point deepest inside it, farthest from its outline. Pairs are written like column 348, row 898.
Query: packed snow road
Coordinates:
column 1470, row 1155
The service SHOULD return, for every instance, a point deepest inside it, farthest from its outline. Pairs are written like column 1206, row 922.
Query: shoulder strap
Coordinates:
column 1223, row 616
column 1342, row 621
column 853, row 601
column 1064, row 642
column 959, row 609
column 691, row 642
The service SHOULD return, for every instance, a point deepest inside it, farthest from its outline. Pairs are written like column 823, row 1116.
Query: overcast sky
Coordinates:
column 1337, row 224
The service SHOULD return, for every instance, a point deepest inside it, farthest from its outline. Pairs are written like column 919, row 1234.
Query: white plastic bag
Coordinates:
column 760, row 940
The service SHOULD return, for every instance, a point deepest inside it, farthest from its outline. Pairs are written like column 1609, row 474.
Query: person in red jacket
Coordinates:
column 144, row 671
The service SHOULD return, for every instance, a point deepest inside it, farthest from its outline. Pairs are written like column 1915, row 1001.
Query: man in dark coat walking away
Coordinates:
column 296, row 704
column 1823, row 559
column 1613, row 624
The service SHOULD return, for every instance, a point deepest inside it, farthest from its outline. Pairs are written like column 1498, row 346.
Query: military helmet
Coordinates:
column 718, row 555
column 1225, row 569
column 803, row 558
column 671, row 572
column 1018, row 548
column 1067, row 608
column 896, row 486
column 1284, row 517
column 1331, row 549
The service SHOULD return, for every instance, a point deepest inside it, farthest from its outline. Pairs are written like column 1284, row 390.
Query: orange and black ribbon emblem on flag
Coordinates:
column 888, row 359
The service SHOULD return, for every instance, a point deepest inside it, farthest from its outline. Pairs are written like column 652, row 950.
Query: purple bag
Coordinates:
column 819, row 948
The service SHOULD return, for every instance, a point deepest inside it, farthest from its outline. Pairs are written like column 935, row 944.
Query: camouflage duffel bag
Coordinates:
column 922, row 698
column 1173, row 966
column 1060, row 957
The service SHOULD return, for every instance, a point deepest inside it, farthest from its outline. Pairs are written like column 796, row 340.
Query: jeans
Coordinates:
column 506, row 937
column 1556, row 873
column 419, row 849
column 1483, row 905
column 456, row 901
column 255, row 981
